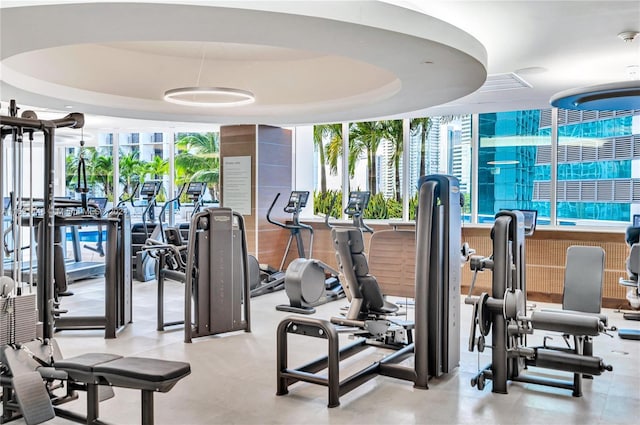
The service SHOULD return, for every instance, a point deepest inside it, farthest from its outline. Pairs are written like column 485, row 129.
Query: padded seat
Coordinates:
column 81, row 368
column 143, row 373
column 86, row 362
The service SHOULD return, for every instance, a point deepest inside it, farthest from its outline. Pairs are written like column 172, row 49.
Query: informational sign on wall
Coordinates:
column 236, row 184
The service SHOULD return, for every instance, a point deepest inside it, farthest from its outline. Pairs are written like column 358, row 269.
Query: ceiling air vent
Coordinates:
column 499, row 82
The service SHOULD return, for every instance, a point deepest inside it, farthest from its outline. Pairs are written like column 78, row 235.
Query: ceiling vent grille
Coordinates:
column 499, row 82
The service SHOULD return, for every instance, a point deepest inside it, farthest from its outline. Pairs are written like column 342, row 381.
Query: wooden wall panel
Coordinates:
column 274, row 175
column 270, row 151
column 392, row 260
column 240, row 140
column 545, row 257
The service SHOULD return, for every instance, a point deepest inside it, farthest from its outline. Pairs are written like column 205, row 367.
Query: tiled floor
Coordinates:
column 233, row 379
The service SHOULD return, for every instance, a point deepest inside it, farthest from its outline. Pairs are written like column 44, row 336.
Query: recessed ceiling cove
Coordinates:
column 304, row 62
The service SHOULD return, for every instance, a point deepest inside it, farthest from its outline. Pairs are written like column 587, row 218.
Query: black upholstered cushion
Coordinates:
column 151, row 370
column 85, row 362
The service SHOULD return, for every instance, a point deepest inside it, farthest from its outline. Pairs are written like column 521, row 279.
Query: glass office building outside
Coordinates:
column 598, row 165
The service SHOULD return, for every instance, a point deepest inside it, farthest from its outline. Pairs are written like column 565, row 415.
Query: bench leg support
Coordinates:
column 147, row 407
column 93, row 403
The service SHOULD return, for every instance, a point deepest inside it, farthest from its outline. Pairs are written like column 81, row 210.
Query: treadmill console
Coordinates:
column 297, row 201
column 357, row 203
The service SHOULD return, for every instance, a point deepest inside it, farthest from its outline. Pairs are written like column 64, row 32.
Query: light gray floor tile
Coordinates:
column 233, row 379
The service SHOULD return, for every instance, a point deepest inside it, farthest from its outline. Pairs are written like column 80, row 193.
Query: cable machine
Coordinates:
column 16, row 127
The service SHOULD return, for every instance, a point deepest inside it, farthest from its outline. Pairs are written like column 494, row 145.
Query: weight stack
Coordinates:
column 18, row 318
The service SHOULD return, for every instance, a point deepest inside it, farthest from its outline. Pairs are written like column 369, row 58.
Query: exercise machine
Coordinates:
column 307, row 286
column 308, row 282
column 36, row 380
column 356, row 205
column 117, row 276
column 632, row 283
column 264, row 278
column 433, row 339
column 52, row 214
column 215, row 273
column 297, row 201
column 195, row 194
column 68, row 270
column 143, row 265
column 503, row 314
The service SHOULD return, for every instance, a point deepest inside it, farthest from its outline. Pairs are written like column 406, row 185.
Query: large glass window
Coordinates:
column 197, row 159
column 328, row 151
column 375, row 165
column 98, row 165
column 598, row 167
column 440, row 145
column 514, row 163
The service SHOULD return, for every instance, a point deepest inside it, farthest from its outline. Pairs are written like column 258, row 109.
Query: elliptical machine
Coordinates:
column 358, row 202
column 143, row 266
column 265, row 278
column 305, row 281
column 195, row 193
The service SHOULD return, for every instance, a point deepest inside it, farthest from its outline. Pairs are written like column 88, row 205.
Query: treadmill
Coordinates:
column 74, row 268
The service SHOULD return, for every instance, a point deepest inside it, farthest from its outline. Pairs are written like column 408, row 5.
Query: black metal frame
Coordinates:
column 47, row 127
column 435, row 346
column 118, row 281
column 503, row 314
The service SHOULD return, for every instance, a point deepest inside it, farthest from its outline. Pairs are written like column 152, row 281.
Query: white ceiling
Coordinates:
column 307, row 62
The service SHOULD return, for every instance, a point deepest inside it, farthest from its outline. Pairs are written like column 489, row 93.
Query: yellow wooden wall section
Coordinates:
column 394, row 264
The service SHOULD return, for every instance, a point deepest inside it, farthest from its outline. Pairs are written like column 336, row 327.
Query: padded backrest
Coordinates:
column 583, row 279
column 342, row 243
column 633, row 262
column 349, row 247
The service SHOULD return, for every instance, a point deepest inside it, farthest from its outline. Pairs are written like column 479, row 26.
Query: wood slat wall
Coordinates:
column 392, row 260
column 545, row 258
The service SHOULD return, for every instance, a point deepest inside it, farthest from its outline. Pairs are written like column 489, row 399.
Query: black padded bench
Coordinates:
column 146, row 374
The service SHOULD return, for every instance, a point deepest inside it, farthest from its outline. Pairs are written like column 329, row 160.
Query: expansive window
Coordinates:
column 328, row 152
column 513, row 163
column 374, row 164
column 98, row 165
column 598, row 167
column 376, row 159
column 596, row 181
column 440, row 145
column 197, row 159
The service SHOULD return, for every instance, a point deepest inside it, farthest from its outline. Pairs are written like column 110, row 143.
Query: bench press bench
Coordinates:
column 91, row 372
